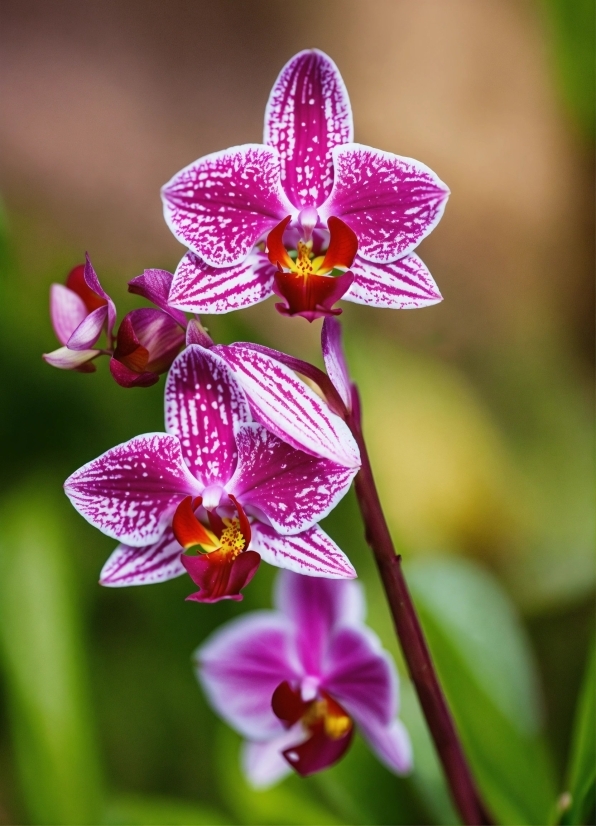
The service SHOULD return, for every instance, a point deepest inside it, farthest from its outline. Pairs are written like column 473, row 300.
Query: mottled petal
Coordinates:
column 143, row 566
column 199, row 288
column 203, row 404
column 401, row 285
column 335, row 360
column 311, row 552
column 390, row 202
column 220, row 205
column 66, row 359
column 67, row 310
column 89, row 330
column 360, row 675
column 154, row 285
column 291, row 488
column 308, row 113
column 92, row 282
column 315, row 607
column 263, row 763
column 241, row 665
column 132, row 490
column 390, row 743
column 288, row 408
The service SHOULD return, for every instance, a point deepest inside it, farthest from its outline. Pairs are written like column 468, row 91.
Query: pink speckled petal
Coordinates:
column 288, row 408
column 89, row 330
column 291, row 488
column 390, row 202
column 143, row 566
column 308, row 113
column 132, row 490
column 241, row 665
column 335, row 360
column 203, row 404
column 67, row 310
column 311, row 552
column 220, row 205
column 401, row 285
column 66, row 359
column 199, row 288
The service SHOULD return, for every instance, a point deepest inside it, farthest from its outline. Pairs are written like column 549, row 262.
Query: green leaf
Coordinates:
column 144, row 810
column 580, row 792
column 487, row 672
column 42, row 663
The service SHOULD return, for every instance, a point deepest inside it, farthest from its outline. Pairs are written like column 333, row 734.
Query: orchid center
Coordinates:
column 227, row 536
column 326, row 712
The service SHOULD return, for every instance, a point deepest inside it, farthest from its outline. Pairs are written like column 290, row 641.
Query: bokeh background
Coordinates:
column 478, row 410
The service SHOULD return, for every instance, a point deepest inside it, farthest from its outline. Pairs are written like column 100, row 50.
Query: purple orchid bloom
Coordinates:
column 309, row 183
column 80, row 311
column 296, row 681
column 215, row 467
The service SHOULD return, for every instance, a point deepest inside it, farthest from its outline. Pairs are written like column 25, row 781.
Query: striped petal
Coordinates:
column 402, row 285
column 308, row 113
column 131, row 492
column 199, row 288
column 220, row 205
column 311, row 552
column 143, row 566
column 288, row 408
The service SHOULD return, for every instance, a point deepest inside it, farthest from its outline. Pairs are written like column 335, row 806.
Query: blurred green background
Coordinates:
column 478, row 411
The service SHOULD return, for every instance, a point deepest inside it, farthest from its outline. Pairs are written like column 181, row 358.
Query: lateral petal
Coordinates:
column 401, row 285
column 291, row 488
column 241, row 665
column 200, row 288
column 89, row 330
column 132, row 490
column 221, row 204
column 391, row 202
column 203, row 403
column 308, row 113
column 311, row 552
column 288, row 408
column 157, row 562
column 67, row 311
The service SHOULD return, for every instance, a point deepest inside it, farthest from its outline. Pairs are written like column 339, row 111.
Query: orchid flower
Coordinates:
column 147, row 341
column 321, row 204
column 297, row 681
column 217, row 482
column 80, row 311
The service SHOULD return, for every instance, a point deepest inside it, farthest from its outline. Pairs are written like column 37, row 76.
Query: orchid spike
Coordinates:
column 296, row 682
column 292, row 193
column 80, row 311
column 138, row 492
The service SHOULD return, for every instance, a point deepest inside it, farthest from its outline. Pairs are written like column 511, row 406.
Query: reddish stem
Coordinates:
column 409, row 631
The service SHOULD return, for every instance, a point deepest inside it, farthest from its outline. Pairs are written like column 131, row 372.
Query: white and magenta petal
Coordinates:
column 67, row 310
column 308, row 113
column 360, row 675
column 241, row 665
column 203, row 403
column 200, row 288
column 89, row 330
column 401, row 285
column 390, row 202
column 132, row 490
column 391, row 744
column 290, row 409
column 66, row 359
column 158, row 562
column 293, row 489
column 220, row 205
column 263, row 762
column 311, row 552
column 334, row 358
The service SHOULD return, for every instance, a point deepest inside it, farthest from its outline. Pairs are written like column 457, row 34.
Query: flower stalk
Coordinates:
column 461, row 784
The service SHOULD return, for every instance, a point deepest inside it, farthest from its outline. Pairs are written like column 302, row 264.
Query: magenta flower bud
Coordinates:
column 148, row 341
